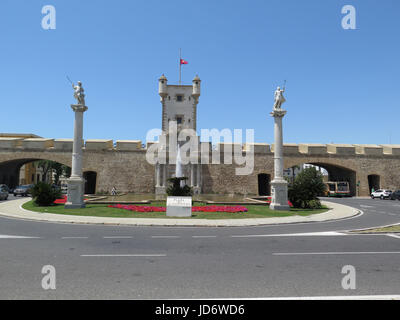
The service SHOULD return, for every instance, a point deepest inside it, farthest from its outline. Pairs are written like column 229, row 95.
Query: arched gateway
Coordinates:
column 124, row 164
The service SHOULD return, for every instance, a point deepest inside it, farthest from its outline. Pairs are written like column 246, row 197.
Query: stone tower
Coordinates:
column 179, row 103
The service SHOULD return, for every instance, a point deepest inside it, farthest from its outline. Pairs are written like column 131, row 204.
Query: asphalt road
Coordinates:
column 115, row 262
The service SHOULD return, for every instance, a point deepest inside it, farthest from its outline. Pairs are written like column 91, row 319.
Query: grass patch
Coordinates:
column 101, row 210
column 389, row 229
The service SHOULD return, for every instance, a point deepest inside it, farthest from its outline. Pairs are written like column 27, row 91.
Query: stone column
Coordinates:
column 164, row 183
column 76, row 183
column 192, row 168
column 198, row 182
column 279, row 188
column 158, row 173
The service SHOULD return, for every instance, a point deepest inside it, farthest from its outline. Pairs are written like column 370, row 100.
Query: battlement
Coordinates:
column 289, row 149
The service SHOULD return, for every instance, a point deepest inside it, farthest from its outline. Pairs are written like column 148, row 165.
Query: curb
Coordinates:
column 13, row 209
column 378, row 227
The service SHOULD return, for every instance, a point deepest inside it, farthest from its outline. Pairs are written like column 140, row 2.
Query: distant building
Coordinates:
column 291, row 173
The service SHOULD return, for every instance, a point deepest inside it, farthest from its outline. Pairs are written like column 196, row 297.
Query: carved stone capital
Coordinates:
column 280, row 113
column 79, row 107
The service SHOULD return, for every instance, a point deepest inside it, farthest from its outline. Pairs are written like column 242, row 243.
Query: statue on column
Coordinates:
column 78, row 93
column 279, row 98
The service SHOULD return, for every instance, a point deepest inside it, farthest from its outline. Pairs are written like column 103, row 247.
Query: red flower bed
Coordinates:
column 269, row 199
column 219, row 209
column 194, row 209
column 138, row 208
column 63, row 200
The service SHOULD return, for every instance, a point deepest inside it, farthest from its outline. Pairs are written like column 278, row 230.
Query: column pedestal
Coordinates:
column 279, row 192
column 76, row 188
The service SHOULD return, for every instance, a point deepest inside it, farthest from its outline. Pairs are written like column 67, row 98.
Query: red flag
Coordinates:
column 184, row 62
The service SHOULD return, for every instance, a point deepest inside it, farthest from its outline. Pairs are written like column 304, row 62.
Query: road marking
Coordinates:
column 74, row 237
column 118, row 237
column 165, row 237
column 204, row 236
column 332, row 253
column 364, row 206
column 394, row 235
column 308, row 234
column 123, row 255
column 4, row 236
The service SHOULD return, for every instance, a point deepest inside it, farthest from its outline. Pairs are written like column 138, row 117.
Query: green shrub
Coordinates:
column 304, row 191
column 44, row 194
column 176, row 190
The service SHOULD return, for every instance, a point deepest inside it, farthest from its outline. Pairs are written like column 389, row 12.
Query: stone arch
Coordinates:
column 335, row 172
column 264, row 184
column 90, row 177
column 374, row 181
column 10, row 168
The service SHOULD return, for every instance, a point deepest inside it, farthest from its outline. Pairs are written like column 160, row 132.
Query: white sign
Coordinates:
column 179, row 201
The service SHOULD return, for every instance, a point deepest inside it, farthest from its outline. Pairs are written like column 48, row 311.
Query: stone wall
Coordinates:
column 124, row 164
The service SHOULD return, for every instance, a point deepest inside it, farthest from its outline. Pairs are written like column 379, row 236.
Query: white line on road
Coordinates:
column 394, row 235
column 364, row 206
column 4, row 236
column 332, row 253
column 123, row 255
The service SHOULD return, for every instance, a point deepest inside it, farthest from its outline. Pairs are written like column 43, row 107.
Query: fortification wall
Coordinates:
column 123, row 164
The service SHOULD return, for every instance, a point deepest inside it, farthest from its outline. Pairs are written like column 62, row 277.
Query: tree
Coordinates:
column 304, row 191
column 58, row 170
column 66, row 171
column 46, row 166
column 44, row 195
column 294, row 168
column 49, row 167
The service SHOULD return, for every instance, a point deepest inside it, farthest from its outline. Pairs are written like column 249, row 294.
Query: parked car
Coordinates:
column 3, row 193
column 4, row 186
column 381, row 193
column 23, row 191
column 395, row 195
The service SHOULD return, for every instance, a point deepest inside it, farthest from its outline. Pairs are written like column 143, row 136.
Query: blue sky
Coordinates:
column 342, row 85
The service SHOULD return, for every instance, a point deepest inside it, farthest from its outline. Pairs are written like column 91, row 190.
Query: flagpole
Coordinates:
column 180, row 65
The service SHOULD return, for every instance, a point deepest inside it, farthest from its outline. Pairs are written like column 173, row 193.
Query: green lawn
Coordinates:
column 395, row 228
column 101, row 210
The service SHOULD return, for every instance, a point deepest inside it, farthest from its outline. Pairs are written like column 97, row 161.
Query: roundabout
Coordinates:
column 303, row 259
column 16, row 209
